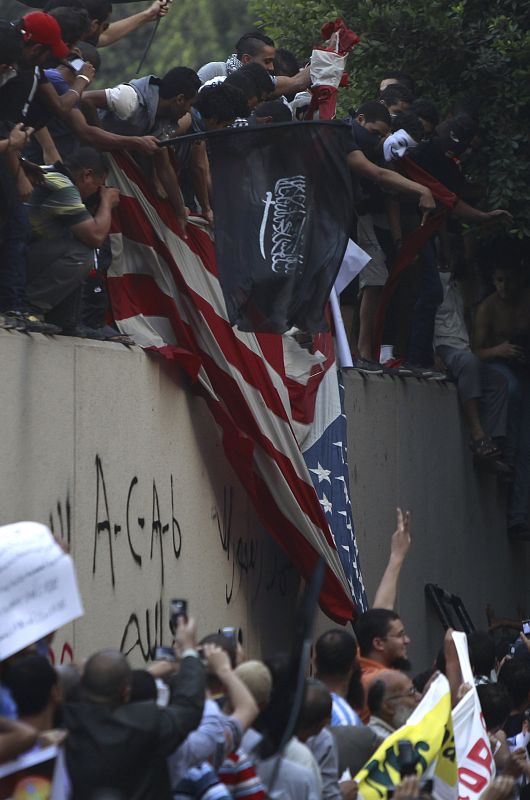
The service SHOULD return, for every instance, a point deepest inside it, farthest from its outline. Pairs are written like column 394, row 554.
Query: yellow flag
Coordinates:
column 429, row 729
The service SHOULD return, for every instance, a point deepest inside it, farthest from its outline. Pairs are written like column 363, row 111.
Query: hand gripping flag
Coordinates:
column 283, row 209
column 327, row 68
column 275, row 402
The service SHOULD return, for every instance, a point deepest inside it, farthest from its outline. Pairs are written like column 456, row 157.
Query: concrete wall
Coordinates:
column 100, row 442
column 410, row 449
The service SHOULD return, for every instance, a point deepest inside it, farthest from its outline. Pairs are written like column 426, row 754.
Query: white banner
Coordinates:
column 476, row 767
column 38, row 586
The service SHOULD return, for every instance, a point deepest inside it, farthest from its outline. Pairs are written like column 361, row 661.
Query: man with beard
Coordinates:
column 391, row 699
column 337, row 667
column 383, row 644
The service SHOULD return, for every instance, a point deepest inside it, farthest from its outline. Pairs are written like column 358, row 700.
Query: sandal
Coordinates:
column 484, row 449
column 121, row 338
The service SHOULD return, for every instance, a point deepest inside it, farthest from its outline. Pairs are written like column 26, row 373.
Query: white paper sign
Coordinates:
column 354, row 261
column 38, row 586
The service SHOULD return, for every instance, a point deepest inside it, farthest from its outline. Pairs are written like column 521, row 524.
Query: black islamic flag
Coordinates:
column 283, row 210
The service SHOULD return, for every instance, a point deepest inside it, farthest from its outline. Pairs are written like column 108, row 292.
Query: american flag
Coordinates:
column 276, row 402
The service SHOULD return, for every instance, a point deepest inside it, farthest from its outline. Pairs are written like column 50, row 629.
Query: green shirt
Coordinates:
column 55, row 206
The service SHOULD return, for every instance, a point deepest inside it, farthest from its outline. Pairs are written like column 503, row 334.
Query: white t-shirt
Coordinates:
column 449, row 326
column 122, row 100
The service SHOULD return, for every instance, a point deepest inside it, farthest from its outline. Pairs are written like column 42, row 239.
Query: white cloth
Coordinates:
column 214, row 69
column 380, row 727
column 398, row 144
column 7, row 75
column 213, row 81
column 326, row 68
column 299, row 753
column 449, row 324
column 122, row 100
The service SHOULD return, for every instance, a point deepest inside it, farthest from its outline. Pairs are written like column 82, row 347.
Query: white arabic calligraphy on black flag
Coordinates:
column 283, row 211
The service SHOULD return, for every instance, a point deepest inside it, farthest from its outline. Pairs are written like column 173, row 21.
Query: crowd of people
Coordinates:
column 56, row 208
column 202, row 720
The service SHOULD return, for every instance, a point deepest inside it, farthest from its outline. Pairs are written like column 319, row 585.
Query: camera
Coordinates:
column 229, row 633
column 526, row 627
column 164, row 654
column 177, row 608
column 407, row 758
column 77, row 64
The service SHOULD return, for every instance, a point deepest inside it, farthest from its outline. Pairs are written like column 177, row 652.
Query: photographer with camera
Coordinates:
column 123, row 746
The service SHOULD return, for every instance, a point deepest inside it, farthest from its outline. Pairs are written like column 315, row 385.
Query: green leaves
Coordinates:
column 452, row 49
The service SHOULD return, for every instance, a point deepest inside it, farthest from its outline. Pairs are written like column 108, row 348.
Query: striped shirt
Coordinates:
column 342, row 713
column 238, row 773
column 54, row 206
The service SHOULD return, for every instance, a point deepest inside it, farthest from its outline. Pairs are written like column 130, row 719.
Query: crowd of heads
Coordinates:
column 204, row 719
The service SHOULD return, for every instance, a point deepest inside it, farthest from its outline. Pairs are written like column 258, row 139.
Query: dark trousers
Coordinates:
column 421, row 334
column 57, row 269
column 13, row 254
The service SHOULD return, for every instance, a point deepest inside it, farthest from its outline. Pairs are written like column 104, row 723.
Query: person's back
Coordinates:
column 121, row 746
column 292, row 782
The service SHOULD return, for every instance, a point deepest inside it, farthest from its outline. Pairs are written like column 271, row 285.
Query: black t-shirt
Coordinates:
column 17, row 94
column 431, row 157
column 369, row 197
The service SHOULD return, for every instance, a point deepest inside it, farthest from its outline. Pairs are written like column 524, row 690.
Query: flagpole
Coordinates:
column 148, row 45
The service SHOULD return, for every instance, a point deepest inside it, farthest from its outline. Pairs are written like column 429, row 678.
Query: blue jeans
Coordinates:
column 13, row 257
column 430, row 296
column 517, row 440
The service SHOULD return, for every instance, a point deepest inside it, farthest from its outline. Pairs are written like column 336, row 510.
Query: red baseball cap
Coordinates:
column 41, row 28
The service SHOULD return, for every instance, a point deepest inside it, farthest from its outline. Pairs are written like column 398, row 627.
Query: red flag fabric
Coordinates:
column 413, row 243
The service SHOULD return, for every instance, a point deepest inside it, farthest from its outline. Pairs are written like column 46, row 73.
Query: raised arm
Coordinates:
column 94, row 231
column 385, row 596
column 244, row 708
column 122, row 27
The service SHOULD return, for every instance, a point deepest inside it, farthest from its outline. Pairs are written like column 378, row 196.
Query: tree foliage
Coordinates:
column 194, row 32
column 453, row 49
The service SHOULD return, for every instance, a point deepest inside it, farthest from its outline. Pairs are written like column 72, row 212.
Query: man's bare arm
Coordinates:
column 200, row 171
column 287, row 85
column 122, row 27
column 169, row 181
column 389, row 179
column 50, row 154
column 15, row 738
column 385, row 596
column 91, row 134
column 465, row 211
column 94, row 231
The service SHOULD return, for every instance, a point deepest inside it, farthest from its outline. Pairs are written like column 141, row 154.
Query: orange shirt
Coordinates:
column 369, row 672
